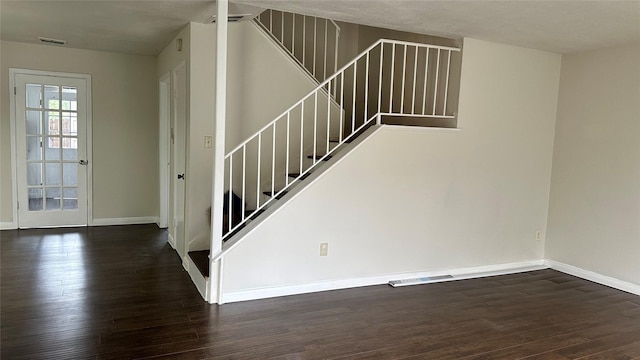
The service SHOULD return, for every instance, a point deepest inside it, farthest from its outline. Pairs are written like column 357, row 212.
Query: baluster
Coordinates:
column 341, row 105
column 328, row 113
column 335, row 53
column 230, row 216
column 286, row 171
column 415, row 74
column 380, row 77
column 258, row 176
column 437, row 80
column 244, row 179
column 304, row 40
column 282, row 27
column 353, row 95
column 404, row 75
column 273, row 161
column 426, row 79
column 366, row 91
column 446, row 85
column 315, row 125
column 393, row 69
column 315, row 37
column 324, row 71
column 301, row 136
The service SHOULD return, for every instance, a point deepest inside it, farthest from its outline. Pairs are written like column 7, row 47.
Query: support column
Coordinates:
column 215, row 270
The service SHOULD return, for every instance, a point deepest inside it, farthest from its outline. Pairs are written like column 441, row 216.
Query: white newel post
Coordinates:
column 215, row 281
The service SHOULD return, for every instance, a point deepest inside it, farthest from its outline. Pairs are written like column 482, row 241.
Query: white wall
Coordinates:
column 594, row 213
column 125, row 130
column 198, row 54
column 201, row 92
column 412, row 200
column 265, row 80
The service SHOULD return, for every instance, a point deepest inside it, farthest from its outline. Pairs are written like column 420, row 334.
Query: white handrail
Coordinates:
column 364, row 81
column 342, row 69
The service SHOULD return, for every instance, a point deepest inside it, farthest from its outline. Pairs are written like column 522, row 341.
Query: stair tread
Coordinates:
column 319, row 156
column 270, row 193
column 200, row 259
column 296, row 175
column 249, row 213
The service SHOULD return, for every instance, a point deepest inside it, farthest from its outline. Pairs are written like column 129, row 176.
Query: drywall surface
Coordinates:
column 263, row 82
column 125, row 129
column 594, row 214
column 201, row 95
column 412, row 200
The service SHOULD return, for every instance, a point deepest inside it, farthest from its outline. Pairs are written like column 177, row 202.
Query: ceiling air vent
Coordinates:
column 232, row 18
column 52, row 41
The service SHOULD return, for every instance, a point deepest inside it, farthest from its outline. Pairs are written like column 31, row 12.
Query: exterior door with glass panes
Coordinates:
column 51, row 117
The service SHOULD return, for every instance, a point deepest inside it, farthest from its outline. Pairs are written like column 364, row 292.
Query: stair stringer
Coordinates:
column 318, row 172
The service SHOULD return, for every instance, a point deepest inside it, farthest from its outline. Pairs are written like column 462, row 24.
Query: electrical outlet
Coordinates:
column 324, row 248
column 538, row 235
column 208, row 141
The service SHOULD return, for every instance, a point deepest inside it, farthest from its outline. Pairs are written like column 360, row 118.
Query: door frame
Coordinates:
column 164, row 103
column 14, row 136
column 183, row 248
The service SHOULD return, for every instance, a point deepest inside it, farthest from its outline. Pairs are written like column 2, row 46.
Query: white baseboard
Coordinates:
column 171, row 241
column 125, row 221
column 595, row 277
column 8, row 226
column 457, row 274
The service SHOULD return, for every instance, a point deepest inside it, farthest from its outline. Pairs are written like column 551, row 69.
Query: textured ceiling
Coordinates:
column 561, row 26
column 145, row 27
column 134, row 27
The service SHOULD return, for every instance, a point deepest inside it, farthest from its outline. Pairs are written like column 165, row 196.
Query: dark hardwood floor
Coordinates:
column 120, row 293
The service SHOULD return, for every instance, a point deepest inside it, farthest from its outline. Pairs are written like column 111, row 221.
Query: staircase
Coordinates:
column 388, row 80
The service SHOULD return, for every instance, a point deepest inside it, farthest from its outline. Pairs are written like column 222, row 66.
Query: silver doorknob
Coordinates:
column 83, row 162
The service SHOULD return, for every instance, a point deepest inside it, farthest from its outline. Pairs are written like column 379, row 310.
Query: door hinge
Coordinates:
column 18, row 205
column 15, row 91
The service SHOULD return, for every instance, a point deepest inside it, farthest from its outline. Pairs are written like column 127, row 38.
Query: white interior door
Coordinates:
column 51, row 137
column 179, row 156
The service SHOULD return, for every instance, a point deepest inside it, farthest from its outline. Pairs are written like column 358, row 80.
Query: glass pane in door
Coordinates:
column 51, row 97
column 52, row 173
column 34, row 148
column 35, row 199
column 52, row 198
column 34, row 122
column 70, row 198
column 34, row 95
column 70, row 174
column 34, row 174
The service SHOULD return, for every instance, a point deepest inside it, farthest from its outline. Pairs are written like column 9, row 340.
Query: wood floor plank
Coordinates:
column 120, row 292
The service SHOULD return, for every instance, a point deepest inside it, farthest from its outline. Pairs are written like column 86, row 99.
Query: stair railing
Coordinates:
column 389, row 78
column 311, row 41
